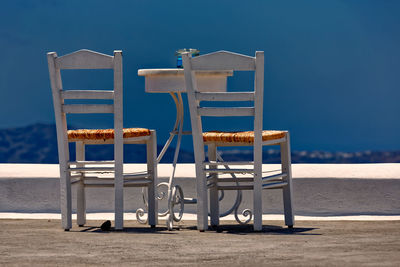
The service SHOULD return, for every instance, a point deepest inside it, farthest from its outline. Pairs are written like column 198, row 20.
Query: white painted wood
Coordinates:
column 274, row 142
column 240, row 180
column 225, row 112
column 214, row 170
column 257, row 150
column 179, row 72
column 225, row 96
column 145, row 183
column 62, row 142
column 118, row 142
column 227, row 163
column 235, row 187
column 151, row 152
column 84, row 59
column 91, row 169
column 172, row 80
column 223, row 60
column 230, row 61
column 87, row 94
column 214, row 199
column 88, row 108
column 275, row 176
column 287, row 190
column 80, row 190
column 90, row 162
column 126, row 178
column 201, row 186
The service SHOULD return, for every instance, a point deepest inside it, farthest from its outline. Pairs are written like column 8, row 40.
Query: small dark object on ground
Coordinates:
column 106, row 226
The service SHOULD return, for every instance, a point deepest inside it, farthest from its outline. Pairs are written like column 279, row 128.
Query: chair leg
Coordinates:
column 152, row 188
column 287, row 190
column 80, row 194
column 257, row 202
column 214, row 203
column 119, row 200
column 118, row 183
column 257, row 188
column 202, row 200
column 202, row 205
column 65, row 197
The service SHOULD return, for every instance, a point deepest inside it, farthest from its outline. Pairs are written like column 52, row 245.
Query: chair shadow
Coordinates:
column 266, row 230
column 235, row 229
column 129, row 230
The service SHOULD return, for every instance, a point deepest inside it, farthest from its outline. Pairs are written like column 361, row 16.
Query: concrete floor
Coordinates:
column 320, row 243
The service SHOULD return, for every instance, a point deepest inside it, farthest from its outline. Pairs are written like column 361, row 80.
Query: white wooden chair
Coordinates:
column 257, row 138
column 91, row 173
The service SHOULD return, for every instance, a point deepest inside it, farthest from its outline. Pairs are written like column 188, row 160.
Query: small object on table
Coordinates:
column 193, row 51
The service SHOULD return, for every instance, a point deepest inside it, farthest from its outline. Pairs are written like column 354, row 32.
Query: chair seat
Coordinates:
column 241, row 137
column 105, row 134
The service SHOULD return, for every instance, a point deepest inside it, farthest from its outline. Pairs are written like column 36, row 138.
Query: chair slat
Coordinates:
column 225, row 96
column 235, row 187
column 234, row 180
column 87, row 94
column 83, row 162
column 223, row 60
column 88, row 108
column 226, row 112
column 85, row 59
column 91, row 169
column 229, row 170
column 206, row 163
column 274, row 176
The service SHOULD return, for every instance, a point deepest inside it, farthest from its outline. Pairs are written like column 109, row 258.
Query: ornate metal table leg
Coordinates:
column 174, row 193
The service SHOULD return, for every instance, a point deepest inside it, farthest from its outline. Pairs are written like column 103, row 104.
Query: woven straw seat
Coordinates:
column 241, row 137
column 105, row 134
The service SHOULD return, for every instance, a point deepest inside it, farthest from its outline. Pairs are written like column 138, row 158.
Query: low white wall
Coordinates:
column 319, row 190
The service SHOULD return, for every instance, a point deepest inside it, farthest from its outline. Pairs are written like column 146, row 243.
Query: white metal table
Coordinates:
column 172, row 81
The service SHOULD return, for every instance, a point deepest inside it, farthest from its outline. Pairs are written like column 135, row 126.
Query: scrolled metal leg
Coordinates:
column 174, row 193
column 246, row 212
column 140, row 213
column 177, row 198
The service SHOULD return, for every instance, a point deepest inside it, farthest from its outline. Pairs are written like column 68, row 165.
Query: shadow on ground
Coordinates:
column 267, row 230
column 227, row 229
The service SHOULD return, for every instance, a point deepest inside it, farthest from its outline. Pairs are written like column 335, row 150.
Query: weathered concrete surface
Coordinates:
column 315, row 243
column 319, row 189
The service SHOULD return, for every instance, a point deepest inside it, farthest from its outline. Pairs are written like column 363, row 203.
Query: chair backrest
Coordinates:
column 86, row 59
column 219, row 61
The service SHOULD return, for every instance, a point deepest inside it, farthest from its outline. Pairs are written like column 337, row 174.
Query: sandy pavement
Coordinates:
column 321, row 243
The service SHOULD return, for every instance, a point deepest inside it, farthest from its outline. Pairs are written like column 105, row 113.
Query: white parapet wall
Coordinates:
column 319, row 190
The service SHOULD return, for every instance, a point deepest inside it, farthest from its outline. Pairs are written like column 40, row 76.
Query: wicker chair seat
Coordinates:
column 105, row 134
column 241, row 137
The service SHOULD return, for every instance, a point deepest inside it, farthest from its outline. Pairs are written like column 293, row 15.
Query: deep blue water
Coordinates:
column 332, row 69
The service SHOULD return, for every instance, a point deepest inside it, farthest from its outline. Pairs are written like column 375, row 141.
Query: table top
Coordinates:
column 179, row 72
column 173, row 80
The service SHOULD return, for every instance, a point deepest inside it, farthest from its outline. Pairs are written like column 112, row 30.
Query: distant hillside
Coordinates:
column 273, row 156
column 38, row 144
